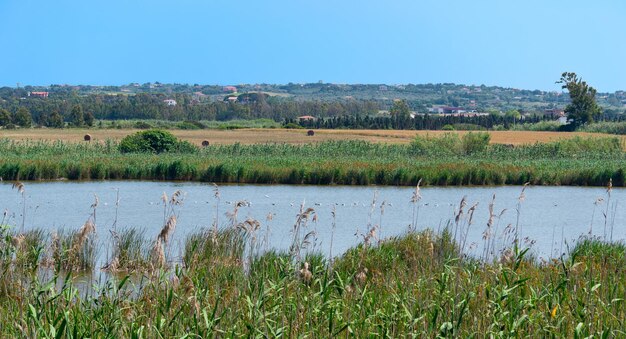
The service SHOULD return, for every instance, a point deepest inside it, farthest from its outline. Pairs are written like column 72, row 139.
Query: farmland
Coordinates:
column 290, row 136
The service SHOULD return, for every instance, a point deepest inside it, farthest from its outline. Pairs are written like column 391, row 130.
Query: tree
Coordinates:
column 400, row 110
column 5, row 117
column 55, row 120
column 76, row 116
column 513, row 114
column 89, row 119
column 43, row 119
column 583, row 107
column 22, row 117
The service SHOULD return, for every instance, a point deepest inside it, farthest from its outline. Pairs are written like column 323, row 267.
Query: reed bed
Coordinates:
column 445, row 160
column 224, row 284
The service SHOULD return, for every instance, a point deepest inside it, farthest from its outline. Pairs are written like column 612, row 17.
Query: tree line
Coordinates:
column 52, row 111
column 419, row 122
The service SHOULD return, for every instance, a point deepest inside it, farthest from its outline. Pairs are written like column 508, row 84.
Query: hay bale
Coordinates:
column 310, row 133
column 87, row 137
column 205, row 143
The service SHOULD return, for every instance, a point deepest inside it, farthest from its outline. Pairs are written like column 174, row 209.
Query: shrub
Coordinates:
column 292, row 125
column 154, row 141
column 447, row 128
column 474, row 142
column 190, row 125
column 142, row 125
column 445, row 145
column 468, row 127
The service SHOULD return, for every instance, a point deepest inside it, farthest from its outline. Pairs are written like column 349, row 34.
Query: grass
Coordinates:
column 445, row 160
column 418, row 284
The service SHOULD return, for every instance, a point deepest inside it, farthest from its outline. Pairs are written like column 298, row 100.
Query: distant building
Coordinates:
column 306, row 118
column 446, row 110
column 170, row 102
column 38, row 94
column 382, row 88
column 198, row 96
column 231, row 89
column 554, row 112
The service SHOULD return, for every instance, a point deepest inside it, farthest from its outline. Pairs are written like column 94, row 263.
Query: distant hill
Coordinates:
column 195, row 102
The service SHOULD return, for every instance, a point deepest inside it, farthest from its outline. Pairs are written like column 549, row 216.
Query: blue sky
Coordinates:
column 522, row 44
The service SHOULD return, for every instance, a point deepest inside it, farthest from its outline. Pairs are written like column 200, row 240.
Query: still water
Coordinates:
column 549, row 218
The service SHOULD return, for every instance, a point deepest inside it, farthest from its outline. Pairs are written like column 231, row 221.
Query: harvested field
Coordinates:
column 255, row 136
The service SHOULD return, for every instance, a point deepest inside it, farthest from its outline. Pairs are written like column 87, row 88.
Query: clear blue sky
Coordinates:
column 523, row 44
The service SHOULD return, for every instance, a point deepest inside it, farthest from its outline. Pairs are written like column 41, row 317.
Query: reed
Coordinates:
column 415, row 284
column 447, row 160
column 418, row 284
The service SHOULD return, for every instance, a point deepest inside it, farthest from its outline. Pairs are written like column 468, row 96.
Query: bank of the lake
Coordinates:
column 440, row 161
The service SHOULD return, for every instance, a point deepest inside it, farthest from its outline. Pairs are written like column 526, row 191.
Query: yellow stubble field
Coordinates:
column 292, row 136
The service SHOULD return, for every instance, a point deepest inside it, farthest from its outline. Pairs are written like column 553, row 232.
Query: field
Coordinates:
column 290, row 136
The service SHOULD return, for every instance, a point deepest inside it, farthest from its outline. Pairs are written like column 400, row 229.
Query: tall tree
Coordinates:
column 400, row 110
column 42, row 120
column 401, row 113
column 583, row 107
column 22, row 117
column 55, row 120
column 5, row 117
column 89, row 119
column 76, row 117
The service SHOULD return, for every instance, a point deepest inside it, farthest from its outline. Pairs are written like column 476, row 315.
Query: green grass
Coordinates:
column 441, row 161
column 418, row 284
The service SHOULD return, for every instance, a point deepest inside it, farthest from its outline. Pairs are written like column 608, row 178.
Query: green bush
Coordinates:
column 292, row 125
column 445, row 145
column 142, row 125
column 154, row 141
column 447, row 128
column 190, row 125
column 468, row 127
column 474, row 142
column 606, row 127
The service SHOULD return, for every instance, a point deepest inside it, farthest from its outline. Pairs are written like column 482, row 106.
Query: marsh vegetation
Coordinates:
column 226, row 280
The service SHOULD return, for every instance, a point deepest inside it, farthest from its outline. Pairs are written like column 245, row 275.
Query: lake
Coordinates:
column 550, row 218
